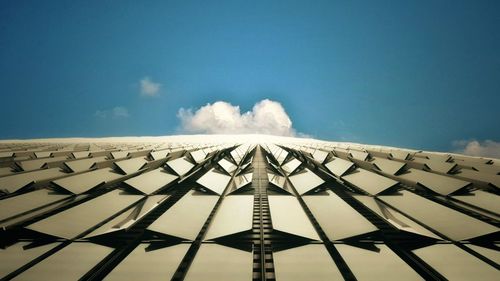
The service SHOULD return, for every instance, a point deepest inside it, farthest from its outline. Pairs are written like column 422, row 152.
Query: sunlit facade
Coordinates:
column 246, row 207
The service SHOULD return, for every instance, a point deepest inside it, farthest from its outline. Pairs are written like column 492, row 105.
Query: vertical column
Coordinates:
column 263, row 267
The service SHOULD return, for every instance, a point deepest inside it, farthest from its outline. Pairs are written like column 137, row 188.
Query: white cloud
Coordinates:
column 266, row 117
column 101, row 114
column 120, row 112
column 116, row 112
column 149, row 88
column 487, row 148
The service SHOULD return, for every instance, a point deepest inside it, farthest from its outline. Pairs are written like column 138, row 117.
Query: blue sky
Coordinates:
column 419, row 74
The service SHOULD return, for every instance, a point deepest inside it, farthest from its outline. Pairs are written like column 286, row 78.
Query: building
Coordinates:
column 244, row 208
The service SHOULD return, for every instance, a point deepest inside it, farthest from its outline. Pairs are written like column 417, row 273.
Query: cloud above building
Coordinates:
column 487, row 148
column 116, row 112
column 266, row 117
column 149, row 88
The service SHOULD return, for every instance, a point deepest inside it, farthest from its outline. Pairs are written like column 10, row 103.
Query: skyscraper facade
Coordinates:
column 244, row 208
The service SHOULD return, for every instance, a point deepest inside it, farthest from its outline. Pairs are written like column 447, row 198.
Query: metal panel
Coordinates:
column 198, row 155
column 129, row 217
column 69, row 223
column 369, row 182
column 29, row 165
column 456, row 264
column 233, row 216
column 130, row 166
column 400, row 154
column 440, row 184
column 278, row 153
column 337, row 219
column 487, row 179
column 15, row 182
column 160, row 154
column 394, row 217
column 15, row 256
column 151, row 181
column 241, row 181
column 149, row 265
column 305, row 181
column 11, row 223
column 80, row 154
column 240, row 152
column 84, row 164
column 487, row 169
column 493, row 255
column 339, row 166
column 439, row 166
column 22, row 203
column 320, row 155
column 119, row 154
column 288, row 216
column 342, row 153
column 84, row 182
column 451, row 223
column 290, row 166
column 192, row 210
column 216, row 262
column 43, row 154
column 360, row 155
column 180, row 166
column 310, row 262
column 227, row 166
column 70, row 263
column 482, row 199
column 4, row 154
column 279, row 182
column 388, row 166
column 6, row 171
column 381, row 265
column 215, row 181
